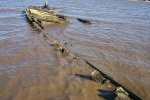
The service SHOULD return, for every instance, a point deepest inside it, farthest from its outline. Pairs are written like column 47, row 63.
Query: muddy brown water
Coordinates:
column 117, row 42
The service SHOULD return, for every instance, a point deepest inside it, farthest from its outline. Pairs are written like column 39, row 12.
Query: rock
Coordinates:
column 97, row 77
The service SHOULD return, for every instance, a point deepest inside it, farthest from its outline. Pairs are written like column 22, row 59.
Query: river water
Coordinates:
column 117, row 42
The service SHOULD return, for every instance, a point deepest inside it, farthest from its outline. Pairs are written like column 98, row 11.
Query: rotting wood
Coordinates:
column 39, row 15
column 97, row 77
column 57, row 46
column 46, row 36
column 47, row 16
column 131, row 94
column 84, row 21
column 121, row 94
column 37, row 26
column 44, row 15
column 64, row 51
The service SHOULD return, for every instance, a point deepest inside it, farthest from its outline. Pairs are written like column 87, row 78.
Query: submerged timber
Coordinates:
column 121, row 92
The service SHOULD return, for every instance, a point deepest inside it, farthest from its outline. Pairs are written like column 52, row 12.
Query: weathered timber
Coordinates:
column 64, row 51
column 45, row 35
column 62, row 16
column 121, row 94
column 28, row 15
column 48, row 17
column 131, row 94
column 45, row 23
column 84, row 21
column 97, row 77
column 60, row 48
column 38, row 22
column 37, row 26
column 40, row 16
column 55, row 44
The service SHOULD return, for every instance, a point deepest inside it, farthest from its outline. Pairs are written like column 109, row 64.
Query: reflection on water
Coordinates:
column 117, row 42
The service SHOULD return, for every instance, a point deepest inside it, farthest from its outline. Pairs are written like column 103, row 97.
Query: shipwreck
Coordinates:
column 41, row 16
